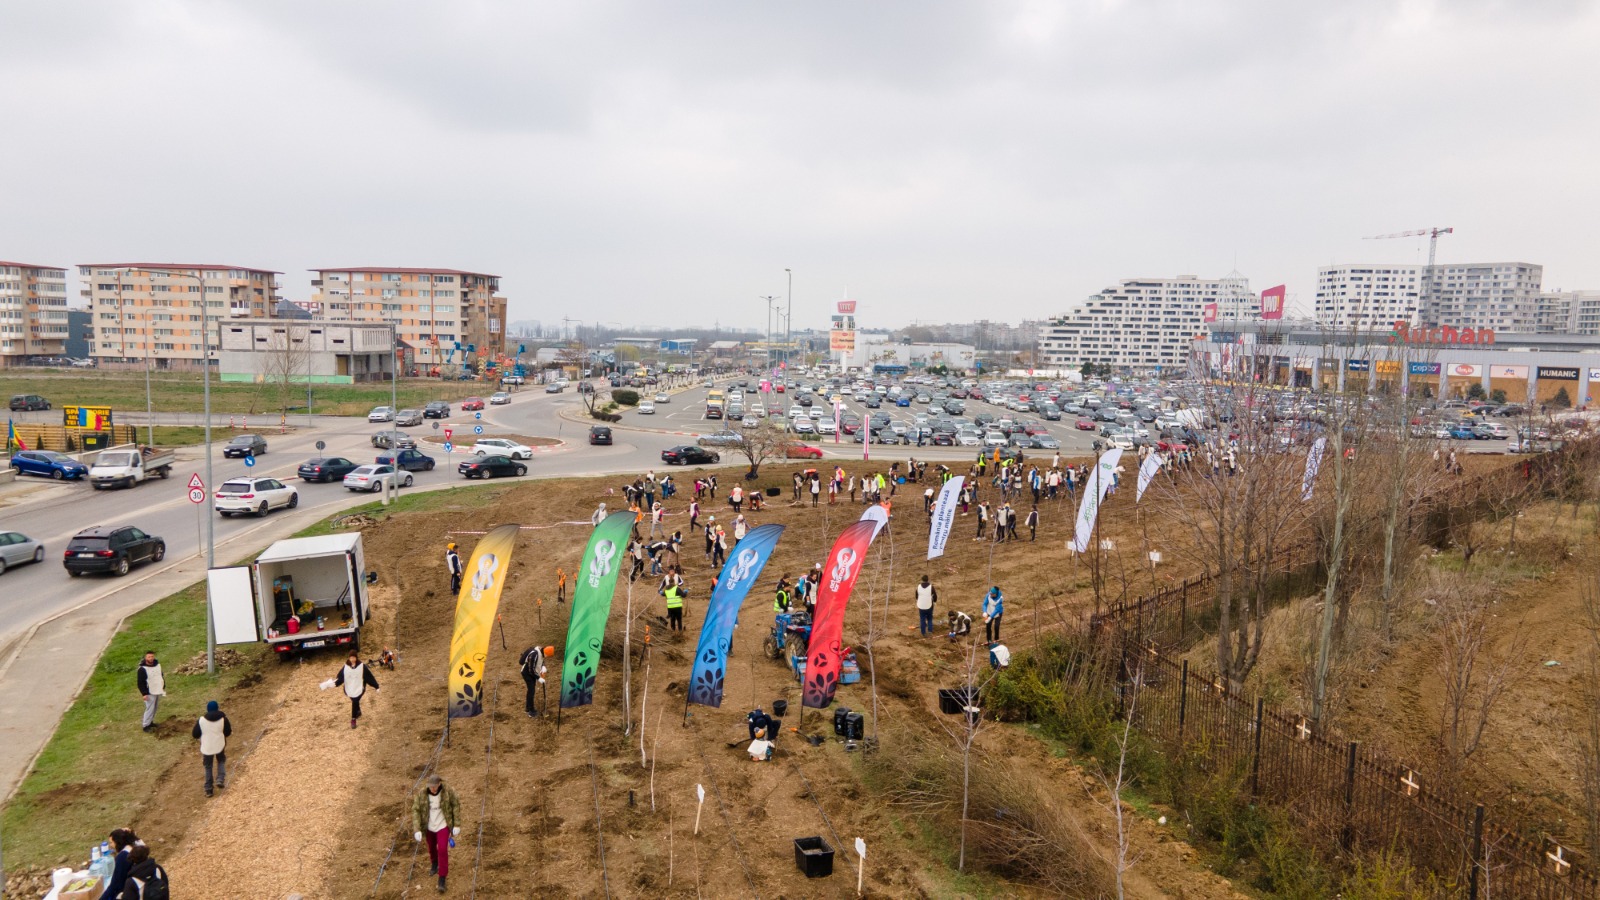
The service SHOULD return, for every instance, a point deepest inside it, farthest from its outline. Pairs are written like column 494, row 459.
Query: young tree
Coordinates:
column 1474, row 680
column 287, row 361
column 762, row 443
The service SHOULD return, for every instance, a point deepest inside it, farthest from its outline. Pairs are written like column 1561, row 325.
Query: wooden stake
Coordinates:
column 861, row 865
column 700, row 789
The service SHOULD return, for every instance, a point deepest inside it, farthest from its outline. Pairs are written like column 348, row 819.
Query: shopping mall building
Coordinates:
column 1441, row 362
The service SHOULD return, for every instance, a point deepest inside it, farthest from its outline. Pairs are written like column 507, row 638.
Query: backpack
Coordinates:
column 157, row 887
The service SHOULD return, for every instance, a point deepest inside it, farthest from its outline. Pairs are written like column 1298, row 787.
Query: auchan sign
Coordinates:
column 1446, row 334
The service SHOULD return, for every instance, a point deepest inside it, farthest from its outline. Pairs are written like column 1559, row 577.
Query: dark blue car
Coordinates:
column 48, row 463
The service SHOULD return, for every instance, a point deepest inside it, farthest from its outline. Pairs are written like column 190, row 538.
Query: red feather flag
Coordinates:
column 839, row 573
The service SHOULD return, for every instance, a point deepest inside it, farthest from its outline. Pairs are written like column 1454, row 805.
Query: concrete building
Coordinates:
column 80, row 333
column 302, row 351
column 1503, row 296
column 33, row 312
column 1569, row 312
column 1143, row 323
column 874, row 352
column 1368, row 295
column 450, row 316
column 151, row 311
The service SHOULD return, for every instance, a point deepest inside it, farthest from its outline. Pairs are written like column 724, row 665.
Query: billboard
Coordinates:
column 842, row 341
column 1208, row 312
column 97, row 418
column 1387, row 366
column 847, row 307
column 1272, row 302
column 1422, row 368
column 1508, row 372
column 844, row 323
column 1594, row 374
column 1558, row 373
column 1463, row 370
column 1357, row 365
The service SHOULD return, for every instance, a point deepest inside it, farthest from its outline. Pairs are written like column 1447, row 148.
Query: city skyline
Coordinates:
column 931, row 162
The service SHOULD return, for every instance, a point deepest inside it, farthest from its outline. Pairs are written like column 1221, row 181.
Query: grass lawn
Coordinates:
column 183, row 392
column 99, row 768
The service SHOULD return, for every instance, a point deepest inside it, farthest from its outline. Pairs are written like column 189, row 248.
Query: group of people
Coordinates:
column 135, row 875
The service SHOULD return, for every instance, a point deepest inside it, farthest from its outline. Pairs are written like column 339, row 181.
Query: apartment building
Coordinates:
column 1364, row 296
column 33, row 312
column 150, row 313
column 1569, row 312
column 1143, row 323
column 445, row 316
column 1501, row 295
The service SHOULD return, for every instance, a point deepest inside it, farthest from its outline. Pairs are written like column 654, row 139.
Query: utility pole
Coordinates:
column 788, row 316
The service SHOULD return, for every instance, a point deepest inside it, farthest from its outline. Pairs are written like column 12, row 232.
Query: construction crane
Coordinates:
column 1432, row 234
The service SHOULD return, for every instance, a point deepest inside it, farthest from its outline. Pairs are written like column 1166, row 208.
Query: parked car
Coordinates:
column 372, row 478
column 381, row 414
column 689, row 455
column 436, row 409
column 491, row 467
column 48, row 463
column 254, row 495
column 1084, row 424
column 798, row 450
column 492, row 446
column 408, row 417
column 18, row 549
column 499, row 398
column 647, row 409
column 325, row 468
column 390, row 440
column 244, row 445
column 1043, row 442
column 28, row 402
column 599, row 434
column 1463, row 433
column 407, row 460
column 113, row 549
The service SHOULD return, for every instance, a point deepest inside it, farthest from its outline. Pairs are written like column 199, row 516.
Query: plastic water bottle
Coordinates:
column 94, row 858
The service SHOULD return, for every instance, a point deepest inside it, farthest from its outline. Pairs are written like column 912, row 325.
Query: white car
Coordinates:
column 797, row 412
column 663, row 398
column 758, row 411
column 750, row 422
column 499, row 398
column 647, row 409
column 826, row 426
column 372, row 478
column 815, row 412
column 968, row 439
column 254, row 495
column 804, row 426
column 502, row 447
column 996, row 439
column 381, row 414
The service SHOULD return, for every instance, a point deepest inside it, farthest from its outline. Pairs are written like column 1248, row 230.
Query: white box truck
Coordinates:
column 126, row 465
column 299, row 594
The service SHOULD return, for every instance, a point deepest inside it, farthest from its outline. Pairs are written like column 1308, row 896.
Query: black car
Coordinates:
column 325, row 468
column 688, row 455
column 944, row 438
column 599, row 434
column 245, row 445
column 436, row 409
column 872, row 402
column 28, row 402
column 115, row 549
column 491, row 467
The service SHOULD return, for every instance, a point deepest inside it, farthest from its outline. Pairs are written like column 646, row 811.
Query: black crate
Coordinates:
column 855, row 725
column 838, row 720
column 951, row 700
column 779, row 708
column 813, row 856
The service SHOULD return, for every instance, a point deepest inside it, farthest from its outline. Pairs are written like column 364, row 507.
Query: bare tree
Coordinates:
column 287, row 361
column 1474, row 681
column 966, row 734
column 1116, row 783
column 1589, row 702
column 762, row 443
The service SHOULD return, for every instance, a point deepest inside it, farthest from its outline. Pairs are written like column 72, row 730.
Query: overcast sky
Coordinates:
column 663, row 163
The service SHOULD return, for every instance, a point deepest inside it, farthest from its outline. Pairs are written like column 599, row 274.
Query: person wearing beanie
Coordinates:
column 435, row 817
column 212, row 730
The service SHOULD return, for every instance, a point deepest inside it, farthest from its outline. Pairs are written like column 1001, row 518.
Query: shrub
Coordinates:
column 625, row 397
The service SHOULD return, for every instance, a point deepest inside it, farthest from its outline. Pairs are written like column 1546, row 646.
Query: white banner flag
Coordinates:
column 1147, row 473
column 878, row 514
column 944, row 515
column 1313, row 463
column 1094, row 491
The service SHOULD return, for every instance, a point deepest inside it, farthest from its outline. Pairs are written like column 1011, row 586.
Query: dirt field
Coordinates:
column 317, row 808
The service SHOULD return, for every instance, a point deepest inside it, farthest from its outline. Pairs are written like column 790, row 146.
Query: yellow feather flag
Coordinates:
column 475, row 610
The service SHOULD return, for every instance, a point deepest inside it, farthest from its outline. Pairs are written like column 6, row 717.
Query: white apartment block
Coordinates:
column 1569, row 312
column 1364, row 296
column 1143, row 323
column 1502, row 295
column 433, row 310
column 150, row 313
column 33, row 312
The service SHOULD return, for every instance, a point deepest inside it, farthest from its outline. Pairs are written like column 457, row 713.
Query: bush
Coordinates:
column 1562, row 400
column 625, row 397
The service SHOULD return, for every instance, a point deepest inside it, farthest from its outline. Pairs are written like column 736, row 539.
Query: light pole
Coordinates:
column 788, row 315
column 772, row 368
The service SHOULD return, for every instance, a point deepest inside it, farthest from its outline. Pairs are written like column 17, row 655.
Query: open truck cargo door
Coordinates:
column 231, row 592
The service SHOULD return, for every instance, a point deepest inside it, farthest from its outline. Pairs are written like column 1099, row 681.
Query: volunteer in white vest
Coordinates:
column 927, row 596
column 213, row 730
column 152, row 687
column 356, row 678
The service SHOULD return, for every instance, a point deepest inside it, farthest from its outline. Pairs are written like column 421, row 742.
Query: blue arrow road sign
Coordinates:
column 477, row 429
column 448, row 446
column 249, row 461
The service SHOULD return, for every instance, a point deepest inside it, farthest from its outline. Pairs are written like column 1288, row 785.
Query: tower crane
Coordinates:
column 1432, row 234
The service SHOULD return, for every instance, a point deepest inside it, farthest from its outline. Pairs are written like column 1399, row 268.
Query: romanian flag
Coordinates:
column 11, row 437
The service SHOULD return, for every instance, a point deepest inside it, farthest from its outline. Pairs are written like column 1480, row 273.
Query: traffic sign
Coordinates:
column 197, row 495
column 436, row 426
column 477, row 429
column 195, row 482
column 448, row 446
column 448, row 432
column 322, row 445
column 249, row 462
column 477, row 415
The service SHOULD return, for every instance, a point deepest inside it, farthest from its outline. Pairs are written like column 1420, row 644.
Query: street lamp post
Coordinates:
column 788, row 315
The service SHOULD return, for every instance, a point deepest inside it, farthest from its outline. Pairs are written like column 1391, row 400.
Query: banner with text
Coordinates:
column 738, row 576
column 1147, row 473
column 824, row 660
column 1093, row 495
column 591, row 607
column 1272, row 302
column 1313, row 465
column 475, row 611
column 944, row 515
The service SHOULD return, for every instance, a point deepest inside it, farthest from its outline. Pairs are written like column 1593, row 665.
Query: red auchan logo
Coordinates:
column 1446, row 334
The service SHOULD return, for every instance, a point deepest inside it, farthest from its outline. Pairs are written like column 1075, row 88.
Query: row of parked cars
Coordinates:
column 436, row 409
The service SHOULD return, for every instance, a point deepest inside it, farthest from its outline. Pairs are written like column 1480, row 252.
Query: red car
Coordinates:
column 1033, row 429
column 802, row 451
column 1084, row 424
column 472, row 403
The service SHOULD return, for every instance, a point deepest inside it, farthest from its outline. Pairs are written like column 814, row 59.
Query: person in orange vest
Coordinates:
column 561, row 585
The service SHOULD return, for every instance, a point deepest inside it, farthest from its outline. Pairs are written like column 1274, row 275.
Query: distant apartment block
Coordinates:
column 1365, row 296
column 1503, row 296
column 433, row 310
column 1143, row 323
column 151, row 311
column 33, row 312
column 1569, row 312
